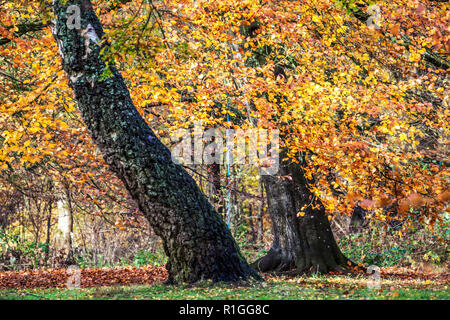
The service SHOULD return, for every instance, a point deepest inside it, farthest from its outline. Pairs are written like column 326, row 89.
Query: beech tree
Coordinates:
column 337, row 82
column 301, row 243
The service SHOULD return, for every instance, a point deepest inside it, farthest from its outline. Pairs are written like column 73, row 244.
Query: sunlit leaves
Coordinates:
column 363, row 106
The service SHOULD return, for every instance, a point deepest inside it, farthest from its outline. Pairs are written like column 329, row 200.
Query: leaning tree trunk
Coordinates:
column 304, row 243
column 196, row 240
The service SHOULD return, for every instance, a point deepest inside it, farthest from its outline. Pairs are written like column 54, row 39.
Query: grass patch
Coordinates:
column 279, row 288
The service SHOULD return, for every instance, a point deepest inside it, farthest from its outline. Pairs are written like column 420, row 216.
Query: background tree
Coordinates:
column 338, row 103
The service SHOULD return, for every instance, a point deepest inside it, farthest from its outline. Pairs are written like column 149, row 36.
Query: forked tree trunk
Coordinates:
column 196, row 240
column 304, row 243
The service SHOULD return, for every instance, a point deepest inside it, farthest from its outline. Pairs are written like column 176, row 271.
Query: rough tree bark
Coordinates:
column 303, row 243
column 196, row 240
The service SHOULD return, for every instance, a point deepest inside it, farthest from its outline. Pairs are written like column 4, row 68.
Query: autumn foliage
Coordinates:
column 364, row 108
column 88, row 277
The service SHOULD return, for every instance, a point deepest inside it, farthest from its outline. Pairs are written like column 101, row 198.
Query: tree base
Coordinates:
column 305, row 242
column 277, row 263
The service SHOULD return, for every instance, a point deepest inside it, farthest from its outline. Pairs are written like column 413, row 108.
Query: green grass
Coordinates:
column 304, row 288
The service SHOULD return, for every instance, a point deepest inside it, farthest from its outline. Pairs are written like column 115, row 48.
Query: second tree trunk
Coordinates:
column 303, row 243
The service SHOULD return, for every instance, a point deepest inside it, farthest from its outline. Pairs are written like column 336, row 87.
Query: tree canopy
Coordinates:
column 357, row 89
